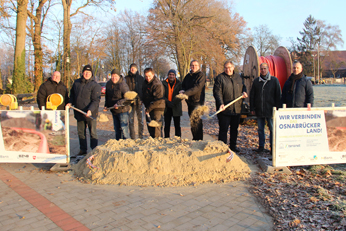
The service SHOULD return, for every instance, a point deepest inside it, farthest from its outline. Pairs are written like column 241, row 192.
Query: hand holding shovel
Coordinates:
column 226, row 106
column 80, row 111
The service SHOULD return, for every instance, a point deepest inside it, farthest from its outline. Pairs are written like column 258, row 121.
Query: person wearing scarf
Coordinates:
column 297, row 90
column 173, row 105
column 264, row 95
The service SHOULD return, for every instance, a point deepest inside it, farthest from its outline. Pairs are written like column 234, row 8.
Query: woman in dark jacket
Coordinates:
column 115, row 90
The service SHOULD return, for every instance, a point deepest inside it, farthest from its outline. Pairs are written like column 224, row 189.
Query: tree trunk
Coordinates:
column 19, row 53
column 38, row 67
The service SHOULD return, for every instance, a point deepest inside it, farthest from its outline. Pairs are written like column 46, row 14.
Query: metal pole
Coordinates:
column 318, row 62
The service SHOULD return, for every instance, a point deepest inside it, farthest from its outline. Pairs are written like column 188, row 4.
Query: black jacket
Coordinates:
column 175, row 104
column 153, row 95
column 264, row 96
column 115, row 95
column 85, row 95
column 135, row 83
column 302, row 93
column 194, row 87
column 226, row 89
column 50, row 87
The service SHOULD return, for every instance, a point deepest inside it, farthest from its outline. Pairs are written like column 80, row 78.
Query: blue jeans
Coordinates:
column 261, row 134
column 121, row 125
column 81, row 128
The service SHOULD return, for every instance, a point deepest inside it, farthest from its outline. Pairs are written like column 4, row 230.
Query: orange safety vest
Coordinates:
column 170, row 89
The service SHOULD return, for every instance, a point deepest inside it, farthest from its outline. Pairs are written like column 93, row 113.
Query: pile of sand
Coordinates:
column 160, row 162
column 102, row 118
column 130, row 95
column 182, row 96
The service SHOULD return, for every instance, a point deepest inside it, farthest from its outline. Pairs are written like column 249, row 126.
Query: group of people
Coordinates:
column 159, row 102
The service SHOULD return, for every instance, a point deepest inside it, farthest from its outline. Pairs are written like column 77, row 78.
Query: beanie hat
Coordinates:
column 172, row 71
column 133, row 65
column 87, row 68
column 115, row 71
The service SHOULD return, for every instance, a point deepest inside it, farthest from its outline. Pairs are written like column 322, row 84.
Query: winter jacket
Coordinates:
column 50, row 87
column 194, row 87
column 226, row 89
column 175, row 104
column 135, row 83
column 153, row 95
column 85, row 95
column 302, row 93
column 115, row 95
column 264, row 96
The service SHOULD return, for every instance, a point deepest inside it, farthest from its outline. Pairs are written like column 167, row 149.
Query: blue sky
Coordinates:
column 284, row 18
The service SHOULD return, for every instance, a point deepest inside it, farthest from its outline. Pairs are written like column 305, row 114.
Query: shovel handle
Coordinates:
column 81, row 112
column 227, row 105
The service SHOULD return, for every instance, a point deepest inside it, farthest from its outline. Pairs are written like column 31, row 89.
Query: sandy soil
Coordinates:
column 161, row 162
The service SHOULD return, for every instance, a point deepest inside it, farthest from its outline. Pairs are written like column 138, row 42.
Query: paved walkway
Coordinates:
column 33, row 198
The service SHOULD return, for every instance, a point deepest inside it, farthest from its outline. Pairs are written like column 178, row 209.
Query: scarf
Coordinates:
column 295, row 78
column 264, row 78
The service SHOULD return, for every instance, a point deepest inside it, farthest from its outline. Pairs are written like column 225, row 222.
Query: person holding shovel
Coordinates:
column 116, row 88
column 154, row 102
column 229, row 86
column 193, row 86
column 85, row 95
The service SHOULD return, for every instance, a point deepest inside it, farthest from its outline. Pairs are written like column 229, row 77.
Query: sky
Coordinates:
column 284, row 18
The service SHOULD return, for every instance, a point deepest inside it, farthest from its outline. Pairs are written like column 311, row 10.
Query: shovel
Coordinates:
column 81, row 112
column 151, row 123
column 227, row 105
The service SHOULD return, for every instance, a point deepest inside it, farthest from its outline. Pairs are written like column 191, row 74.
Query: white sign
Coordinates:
column 301, row 138
column 34, row 136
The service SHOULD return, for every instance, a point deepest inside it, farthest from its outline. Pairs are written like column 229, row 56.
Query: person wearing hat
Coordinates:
column 85, row 95
column 51, row 86
column 116, row 87
column 173, row 105
column 135, row 82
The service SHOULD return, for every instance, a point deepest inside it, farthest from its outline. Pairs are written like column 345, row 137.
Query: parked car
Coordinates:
column 103, row 87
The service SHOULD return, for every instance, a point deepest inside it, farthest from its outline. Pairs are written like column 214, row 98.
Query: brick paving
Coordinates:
column 32, row 198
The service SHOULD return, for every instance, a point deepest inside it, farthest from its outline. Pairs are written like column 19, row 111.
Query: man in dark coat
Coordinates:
column 154, row 102
column 116, row 88
column 265, row 94
column 194, row 87
column 135, row 82
column 173, row 105
column 51, row 86
column 227, row 87
column 86, row 95
column 297, row 90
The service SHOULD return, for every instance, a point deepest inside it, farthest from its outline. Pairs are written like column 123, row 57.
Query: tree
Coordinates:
column 67, row 33
column 194, row 29
column 35, row 31
column 265, row 41
column 316, row 37
column 19, row 80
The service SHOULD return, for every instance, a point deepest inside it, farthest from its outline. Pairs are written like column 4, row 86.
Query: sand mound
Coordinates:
column 160, row 162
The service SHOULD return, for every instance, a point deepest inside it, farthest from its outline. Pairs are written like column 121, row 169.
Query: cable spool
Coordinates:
column 280, row 65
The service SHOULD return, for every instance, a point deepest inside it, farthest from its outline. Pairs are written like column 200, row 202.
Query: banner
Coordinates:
column 28, row 136
column 311, row 137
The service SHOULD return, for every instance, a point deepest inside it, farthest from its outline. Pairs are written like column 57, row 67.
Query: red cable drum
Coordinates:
column 277, row 67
